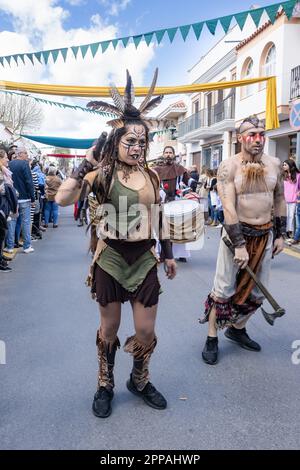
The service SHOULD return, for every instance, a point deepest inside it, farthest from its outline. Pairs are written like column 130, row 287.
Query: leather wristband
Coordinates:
column 82, row 170
column 279, row 226
column 166, row 248
column 235, row 234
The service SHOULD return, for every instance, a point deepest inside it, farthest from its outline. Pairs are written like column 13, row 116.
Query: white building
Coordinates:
column 174, row 113
column 272, row 50
column 209, row 131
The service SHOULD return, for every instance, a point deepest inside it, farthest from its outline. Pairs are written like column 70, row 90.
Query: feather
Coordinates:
column 152, row 104
column 150, row 92
column 116, row 123
column 129, row 91
column 118, row 100
column 103, row 106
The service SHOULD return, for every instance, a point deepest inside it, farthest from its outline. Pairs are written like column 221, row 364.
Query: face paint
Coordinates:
column 133, row 144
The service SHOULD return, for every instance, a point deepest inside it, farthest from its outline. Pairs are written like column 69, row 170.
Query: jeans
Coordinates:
column 24, row 213
column 297, row 233
column 51, row 208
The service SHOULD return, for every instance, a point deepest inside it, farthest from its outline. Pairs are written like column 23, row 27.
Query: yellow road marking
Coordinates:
column 290, row 252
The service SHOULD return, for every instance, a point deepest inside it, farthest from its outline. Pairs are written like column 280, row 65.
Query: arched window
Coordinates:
column 269, row 67
column 247, row 72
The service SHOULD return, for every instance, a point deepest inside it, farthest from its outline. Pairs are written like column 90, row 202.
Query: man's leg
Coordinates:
column 26, row 224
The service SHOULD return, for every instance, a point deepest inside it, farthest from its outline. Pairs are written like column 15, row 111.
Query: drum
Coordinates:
column 183, row 221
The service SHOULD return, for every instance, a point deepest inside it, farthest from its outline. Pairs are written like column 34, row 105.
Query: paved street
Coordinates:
column 48, row 323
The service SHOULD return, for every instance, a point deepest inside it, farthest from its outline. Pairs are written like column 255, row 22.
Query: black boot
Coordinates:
column 138, row 382
column 106, row 358
column 242, row 338
column 210, row 351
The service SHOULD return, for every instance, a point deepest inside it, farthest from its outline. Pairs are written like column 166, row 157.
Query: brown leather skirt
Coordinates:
column 106, row 289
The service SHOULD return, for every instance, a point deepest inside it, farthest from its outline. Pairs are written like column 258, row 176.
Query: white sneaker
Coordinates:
column 8, row 250
column 28, row 250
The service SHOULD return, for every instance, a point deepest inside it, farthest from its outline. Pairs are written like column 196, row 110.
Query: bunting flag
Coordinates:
column 61, row 105
column 272, row 121
column 150, row 37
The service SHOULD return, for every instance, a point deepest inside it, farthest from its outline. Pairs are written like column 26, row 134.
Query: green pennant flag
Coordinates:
column 84, row 50
column 45, row 55
column 137, row 39
column 54, row 54
column 15, row 57
column 75, row 51
column 159, row 35
column 125, row 41
column 94, row 48
column 148, row 38
column 241, row 19
column 256, row 15
column 64, row 53
column 115, row 43
column 185, row 31
column 104, row 45
column 8, row 59
column 211, row 25
column 171, row 33
column 1, row 61
column 272, row 12
column 225, row 22
column 30, row 57
column 38, row 56
column 197, row 28
column 289, row 8
column 22, row 58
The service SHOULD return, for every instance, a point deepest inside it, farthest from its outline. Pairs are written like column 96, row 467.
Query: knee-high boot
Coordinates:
column 138, row 382
column 106, row 358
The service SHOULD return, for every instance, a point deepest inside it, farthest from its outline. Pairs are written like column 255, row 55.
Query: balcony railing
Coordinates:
column 209, row 116
column 295, row 83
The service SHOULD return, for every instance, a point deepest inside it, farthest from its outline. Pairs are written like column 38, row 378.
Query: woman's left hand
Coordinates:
column 170, row 268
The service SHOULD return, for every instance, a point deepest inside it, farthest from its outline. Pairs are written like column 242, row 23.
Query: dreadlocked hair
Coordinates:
column 108, row 161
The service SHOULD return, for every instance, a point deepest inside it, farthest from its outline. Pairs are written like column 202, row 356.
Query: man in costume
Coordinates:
column 125, row 264
column 250, row 187
column 171, row 175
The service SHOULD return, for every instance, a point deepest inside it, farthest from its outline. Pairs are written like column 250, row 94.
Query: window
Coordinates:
column 247, row 72
column 269, row 67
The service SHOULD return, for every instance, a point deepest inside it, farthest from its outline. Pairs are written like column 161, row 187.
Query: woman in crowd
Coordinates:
column 53, row 182
column 8, row 204
column 291, row 182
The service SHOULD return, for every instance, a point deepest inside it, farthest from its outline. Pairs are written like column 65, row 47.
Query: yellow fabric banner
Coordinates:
column 272, row 121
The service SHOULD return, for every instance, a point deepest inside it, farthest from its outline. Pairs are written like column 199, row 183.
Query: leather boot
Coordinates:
column 138, row 382
column 106, row 358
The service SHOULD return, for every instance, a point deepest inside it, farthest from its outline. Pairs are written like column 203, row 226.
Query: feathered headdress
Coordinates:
column 123, row 106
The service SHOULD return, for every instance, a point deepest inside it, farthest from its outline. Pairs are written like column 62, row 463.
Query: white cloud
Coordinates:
column 47, row 32
column 76, row 3
column 114, row 7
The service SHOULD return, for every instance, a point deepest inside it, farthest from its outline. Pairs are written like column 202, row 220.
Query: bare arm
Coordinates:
column 279, row 201
column 68, row 192
column 227, row 193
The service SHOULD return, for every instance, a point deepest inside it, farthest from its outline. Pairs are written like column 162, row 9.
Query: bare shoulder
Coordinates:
column 227, row 169
column 273, row 162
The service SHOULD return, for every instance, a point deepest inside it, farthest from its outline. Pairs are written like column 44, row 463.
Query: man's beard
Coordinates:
column 254, row 178
column 169, row 160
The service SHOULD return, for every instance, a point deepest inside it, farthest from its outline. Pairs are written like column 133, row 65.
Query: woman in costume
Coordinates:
column 125, row 264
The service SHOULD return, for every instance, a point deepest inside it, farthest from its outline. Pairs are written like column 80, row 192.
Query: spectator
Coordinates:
column 23, row 183
column 291, row 183
column 8, row 204
column 53, row 182
column 296, row 239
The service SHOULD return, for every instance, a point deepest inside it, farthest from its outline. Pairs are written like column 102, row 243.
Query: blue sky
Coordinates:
column 32, row 25
column 140, row 16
